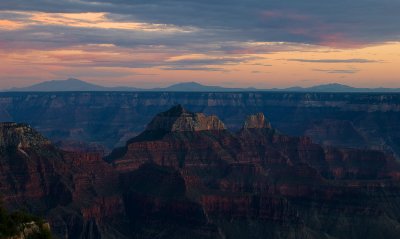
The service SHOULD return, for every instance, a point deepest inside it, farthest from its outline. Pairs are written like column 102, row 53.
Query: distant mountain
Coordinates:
column 61, row 85
column 192, row 86
column 196, row 87
column 335, row 87
column 78, row 85
column 68, row 85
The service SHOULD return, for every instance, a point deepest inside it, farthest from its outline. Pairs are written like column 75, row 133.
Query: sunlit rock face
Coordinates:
column 257, row 121
column 179, row 119
column 20, row 135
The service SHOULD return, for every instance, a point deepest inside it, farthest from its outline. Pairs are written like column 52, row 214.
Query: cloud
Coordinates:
column 204, row 63
column 94, row 20
column 333, row 23
column 334, row 60
column 120, row 34
column 256, row 72
column 185, row 68
column 338, row 71
column 204, row 60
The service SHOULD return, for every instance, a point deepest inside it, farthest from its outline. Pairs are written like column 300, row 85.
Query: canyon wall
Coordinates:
column 188, row 176
column 104, row 120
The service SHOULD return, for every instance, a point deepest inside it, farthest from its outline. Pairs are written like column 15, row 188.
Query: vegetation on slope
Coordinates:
column 20, row 224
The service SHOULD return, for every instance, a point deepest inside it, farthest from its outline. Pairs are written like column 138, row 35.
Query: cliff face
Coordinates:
column 82, row 196
column 109, row 119
column 257, row 121
column 262, row 178
column 186, row 176
column 28, row 165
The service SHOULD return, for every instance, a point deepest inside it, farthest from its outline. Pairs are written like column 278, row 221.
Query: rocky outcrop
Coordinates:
column 257, row 121
column 32, row 230
column 29, row 174
column 21, row 225
column 179, row 119
column 21, row 136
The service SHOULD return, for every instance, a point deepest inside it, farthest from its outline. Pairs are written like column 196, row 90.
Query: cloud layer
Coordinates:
column 341, row 22
column 187, row 35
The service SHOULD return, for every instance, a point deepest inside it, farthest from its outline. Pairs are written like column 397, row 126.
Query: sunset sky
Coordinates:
column 235, row 43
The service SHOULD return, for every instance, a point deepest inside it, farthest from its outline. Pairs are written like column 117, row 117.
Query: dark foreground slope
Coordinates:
column 187, row 176
column 109, row 118
column 82, row 196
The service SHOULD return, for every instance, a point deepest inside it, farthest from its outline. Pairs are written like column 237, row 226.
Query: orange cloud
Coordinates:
column 100, row 20
column 10, row 25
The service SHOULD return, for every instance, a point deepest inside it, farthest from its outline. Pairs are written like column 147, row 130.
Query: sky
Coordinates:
column 235, row 43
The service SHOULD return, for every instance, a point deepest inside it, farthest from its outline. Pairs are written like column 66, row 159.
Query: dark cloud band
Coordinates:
column 334, row 23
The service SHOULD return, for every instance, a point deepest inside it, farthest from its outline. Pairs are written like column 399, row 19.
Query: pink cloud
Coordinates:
column 326, row 34
column 339, row 40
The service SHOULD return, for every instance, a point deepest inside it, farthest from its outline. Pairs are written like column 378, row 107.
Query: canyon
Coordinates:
column 188, row 175
column 101, row 121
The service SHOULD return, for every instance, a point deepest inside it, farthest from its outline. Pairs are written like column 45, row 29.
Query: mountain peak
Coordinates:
column 191, row 83
column 333, row 87
column 178, row 118
column 75, row 80
column 194, row 87
column 70, row 84
column 176, row 111
column 257, row 121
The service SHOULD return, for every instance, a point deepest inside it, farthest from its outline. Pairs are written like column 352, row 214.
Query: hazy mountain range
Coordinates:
column 79, row 85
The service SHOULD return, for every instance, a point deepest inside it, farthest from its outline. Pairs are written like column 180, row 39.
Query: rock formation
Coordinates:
column 21, row 136
column 186, row 176
column 257, row 121
column 274, row 180
column 82, row 196
column 179, row 119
